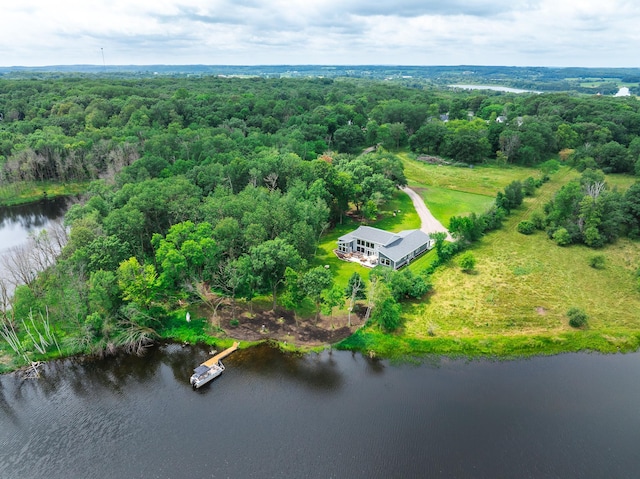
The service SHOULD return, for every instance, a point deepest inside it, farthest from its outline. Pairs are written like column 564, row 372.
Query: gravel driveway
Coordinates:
column 429, row 223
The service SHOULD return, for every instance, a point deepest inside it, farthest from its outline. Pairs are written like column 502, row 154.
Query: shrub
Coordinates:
column 467, row 261
column 593, row 238
column 597, row 261
column 526, row 227
column 388, row 314
column 529, row 186
column 562, row 237
column 577, row 317
column 234, row 322
column 537, row 218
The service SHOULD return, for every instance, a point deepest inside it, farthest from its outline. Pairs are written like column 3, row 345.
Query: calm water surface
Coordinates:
column 328, row 416
column 17, row 222
column 494, row 88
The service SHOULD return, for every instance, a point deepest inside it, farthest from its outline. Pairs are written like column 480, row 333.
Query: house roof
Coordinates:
column 405, row 243
column 367, row 233
column 394, row 246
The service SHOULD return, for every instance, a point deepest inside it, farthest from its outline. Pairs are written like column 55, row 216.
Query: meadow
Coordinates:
column 515, row 301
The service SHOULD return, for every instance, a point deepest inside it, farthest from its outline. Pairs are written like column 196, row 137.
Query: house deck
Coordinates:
column 361, row 259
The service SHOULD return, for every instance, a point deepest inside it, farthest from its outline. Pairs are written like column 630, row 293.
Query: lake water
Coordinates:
column 18, row 222
column 339, row 415
column 623, row 91
column 494, row 88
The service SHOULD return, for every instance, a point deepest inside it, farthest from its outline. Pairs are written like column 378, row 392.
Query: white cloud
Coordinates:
column 497, row 32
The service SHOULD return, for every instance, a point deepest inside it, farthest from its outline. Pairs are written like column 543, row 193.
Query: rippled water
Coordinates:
column 327, row 415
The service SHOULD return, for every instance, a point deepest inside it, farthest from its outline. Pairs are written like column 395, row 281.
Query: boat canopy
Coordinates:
column 201, row 370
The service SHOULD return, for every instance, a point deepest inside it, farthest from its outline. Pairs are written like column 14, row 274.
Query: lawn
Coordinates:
column 445, row 203
column 406, row 219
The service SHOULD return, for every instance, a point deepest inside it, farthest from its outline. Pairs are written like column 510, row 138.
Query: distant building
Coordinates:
column 372, row 246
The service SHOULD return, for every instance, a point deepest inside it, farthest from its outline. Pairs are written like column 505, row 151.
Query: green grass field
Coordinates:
column 515, row 302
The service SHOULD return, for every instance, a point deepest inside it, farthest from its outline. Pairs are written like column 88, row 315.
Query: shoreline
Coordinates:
column 36, row 192
column 372, row 343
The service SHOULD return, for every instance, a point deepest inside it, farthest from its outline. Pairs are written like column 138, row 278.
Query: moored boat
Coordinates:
column 211, row 368
column 203, row 374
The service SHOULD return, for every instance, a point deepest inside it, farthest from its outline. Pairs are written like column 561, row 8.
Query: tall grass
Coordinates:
column 26, row 192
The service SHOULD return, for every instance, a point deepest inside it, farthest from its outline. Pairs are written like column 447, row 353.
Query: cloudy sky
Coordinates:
column 252, row 32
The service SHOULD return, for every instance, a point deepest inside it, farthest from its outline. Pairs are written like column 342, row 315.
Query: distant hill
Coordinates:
column 585, row 80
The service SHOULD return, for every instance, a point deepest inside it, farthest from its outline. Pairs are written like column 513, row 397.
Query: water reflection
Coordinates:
column 333, row 414
column 316, row 371
column 16, row 222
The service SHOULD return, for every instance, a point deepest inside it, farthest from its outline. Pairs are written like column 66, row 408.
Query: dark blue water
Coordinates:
column 329, row 415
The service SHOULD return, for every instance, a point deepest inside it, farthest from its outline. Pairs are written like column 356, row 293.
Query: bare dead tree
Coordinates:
column 595, row 189
column 58, row 234
column 5, row 298
column 271, row 180
column 17, row 263
column 116, row 159
column 22, row 263
column 41, row 340
column 253, row 177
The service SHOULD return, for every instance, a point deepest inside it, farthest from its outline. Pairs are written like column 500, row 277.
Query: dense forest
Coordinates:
column 206, row 188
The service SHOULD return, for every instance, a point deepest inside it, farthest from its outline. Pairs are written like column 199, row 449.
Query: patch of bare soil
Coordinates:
column 541, row 311
column 280, row 325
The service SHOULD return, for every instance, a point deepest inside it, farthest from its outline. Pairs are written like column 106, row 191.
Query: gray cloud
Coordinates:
column 516, row 32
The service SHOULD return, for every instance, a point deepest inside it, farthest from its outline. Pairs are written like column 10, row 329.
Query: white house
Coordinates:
column 381, row 247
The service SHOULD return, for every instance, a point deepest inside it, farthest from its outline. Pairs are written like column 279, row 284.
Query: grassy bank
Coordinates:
column 20, row 193
column 402, row 347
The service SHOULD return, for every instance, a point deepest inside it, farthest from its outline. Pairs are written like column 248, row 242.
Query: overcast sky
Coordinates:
column 253, row 32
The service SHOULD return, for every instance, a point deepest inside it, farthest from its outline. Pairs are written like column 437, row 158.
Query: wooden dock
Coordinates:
column 216, row 359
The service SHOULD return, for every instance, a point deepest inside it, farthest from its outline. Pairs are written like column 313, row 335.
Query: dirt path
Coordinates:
column 429, row 223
